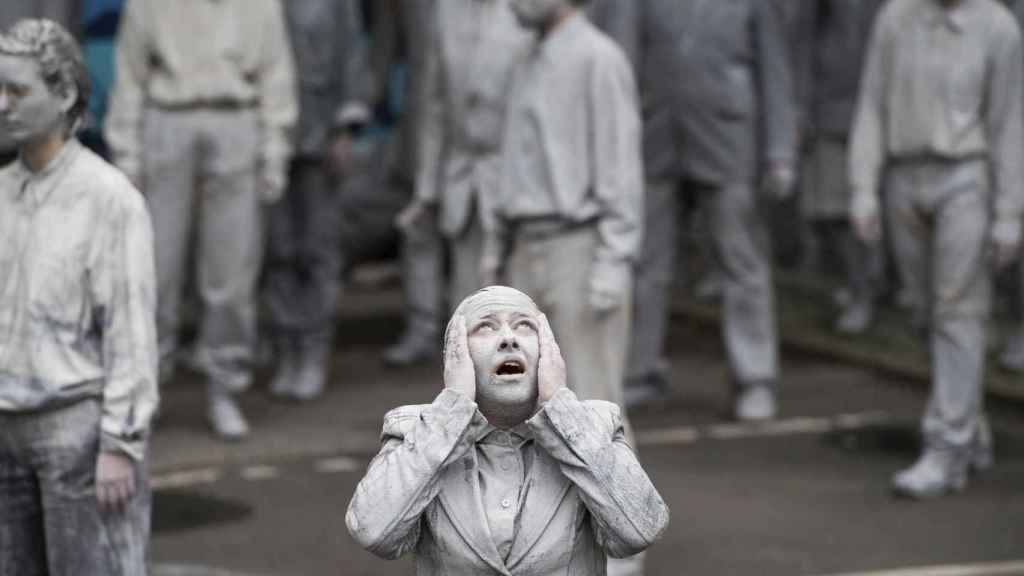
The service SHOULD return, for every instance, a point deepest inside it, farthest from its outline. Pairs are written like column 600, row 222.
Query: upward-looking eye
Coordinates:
column 484, row 328
column 525, row 326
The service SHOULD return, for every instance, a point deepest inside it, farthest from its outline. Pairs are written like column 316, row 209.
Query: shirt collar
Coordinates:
column 564, row 34
column 67, row 153
column 516, row 436
column 955, row 17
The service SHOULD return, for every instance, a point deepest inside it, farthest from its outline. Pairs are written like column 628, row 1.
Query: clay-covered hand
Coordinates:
column 780, row 180
column 459, row 374
column 339, row 154
column 115, row 481
column 608, row 284
column 551, row 374
column 272, row 184
column 1005, row 241
column 412, row 214
column 866, row 220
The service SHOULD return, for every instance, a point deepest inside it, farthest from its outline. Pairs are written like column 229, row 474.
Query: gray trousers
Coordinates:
column 466, row 251
column 655, row 272
column 552, row 269
column 939, row 223
column 742, row 255
column 50, row 520
column 422, row 263
column 203, row 163
column 302, row 275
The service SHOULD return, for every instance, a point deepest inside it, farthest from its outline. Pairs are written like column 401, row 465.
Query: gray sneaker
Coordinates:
column 936, row 473
column 225, row 417
column 855, row 319
column 311, row 372
column 283, row 381
column 756, row 403
column 412, row 348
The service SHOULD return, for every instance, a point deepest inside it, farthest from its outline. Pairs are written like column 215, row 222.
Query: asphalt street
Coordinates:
column 807, row 495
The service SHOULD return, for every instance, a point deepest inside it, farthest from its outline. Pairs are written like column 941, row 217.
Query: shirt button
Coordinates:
column 505, row 464
column 506, row 503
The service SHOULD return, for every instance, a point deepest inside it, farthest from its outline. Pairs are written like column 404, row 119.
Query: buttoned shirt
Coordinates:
column 572, row 151
column 503, row 460
column 195, row 53
column 78, row 294
column 942, row 82
column 468, row 76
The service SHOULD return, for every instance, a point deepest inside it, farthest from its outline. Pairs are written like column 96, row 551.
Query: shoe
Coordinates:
column 643, row 392
column 936, row 473
column 412, row 348
column 756, row 403
column 225, row 417
column 311, row 373
column 283, row 381
column 1012, row 358
column 842, row 297
column 980, row 456
column 855, row 319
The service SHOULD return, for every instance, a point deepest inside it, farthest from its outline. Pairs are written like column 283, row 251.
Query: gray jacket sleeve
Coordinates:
column 589, row 443
column 621, row 20
column 384, row 515
column 774, row 77
column 867, row 142
column 1006, row 132
column 431, row 148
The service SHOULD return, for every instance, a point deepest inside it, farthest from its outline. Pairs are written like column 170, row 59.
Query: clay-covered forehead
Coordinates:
column 496, row 299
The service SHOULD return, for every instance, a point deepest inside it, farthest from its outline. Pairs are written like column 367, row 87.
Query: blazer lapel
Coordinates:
column 460, row 495
column 545, row 490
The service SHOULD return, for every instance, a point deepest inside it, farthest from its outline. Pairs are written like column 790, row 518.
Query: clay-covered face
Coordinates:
column 29, row 110
column 504, row 344
column 535, row 14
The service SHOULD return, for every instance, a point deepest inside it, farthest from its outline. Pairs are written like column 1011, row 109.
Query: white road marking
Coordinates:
column 185, row 479
column 738, row 431
column 1014, row 568
column 192, row 570
column 260, row 472
column 337, row 465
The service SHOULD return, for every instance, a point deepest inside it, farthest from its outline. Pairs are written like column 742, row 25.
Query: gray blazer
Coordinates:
column 331, row 68
column 585, row 496
column 715, row 83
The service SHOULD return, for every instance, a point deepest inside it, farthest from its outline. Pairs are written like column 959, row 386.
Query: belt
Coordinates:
column 546, row 226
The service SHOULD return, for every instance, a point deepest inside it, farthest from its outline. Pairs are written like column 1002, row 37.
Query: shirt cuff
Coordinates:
column 352, row 115
column 134, row 449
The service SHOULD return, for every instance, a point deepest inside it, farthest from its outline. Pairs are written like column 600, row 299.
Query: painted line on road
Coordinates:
column 193, row 570
column 1014, row 568
column 790, row 427
column 338, row 465
column 185, row 479
column 259, row 472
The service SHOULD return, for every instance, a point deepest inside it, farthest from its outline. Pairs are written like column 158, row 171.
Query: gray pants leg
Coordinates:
column 466, row 251
column 216, row 150
column 50, row 520
column 422, row 261
column 940, row 218
column 302, row 275
column 654, row 274
column 594, row 345
column 743, row 255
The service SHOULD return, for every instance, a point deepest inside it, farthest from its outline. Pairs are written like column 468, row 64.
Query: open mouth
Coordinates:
column 511, row 368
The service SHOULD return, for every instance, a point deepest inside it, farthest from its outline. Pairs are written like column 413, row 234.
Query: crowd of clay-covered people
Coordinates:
column 576, row 151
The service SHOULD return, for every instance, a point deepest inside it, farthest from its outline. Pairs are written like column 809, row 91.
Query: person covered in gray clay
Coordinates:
column 78, row 349
column 506, row 471
column 938, row 126
column 467, row 79
column 715, row 82
column 302, row 278
column 833, row 40
column 204, row 129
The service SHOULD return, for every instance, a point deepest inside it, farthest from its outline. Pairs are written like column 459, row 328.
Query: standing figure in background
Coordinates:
column 63, row 12
column 837, row 33
column 402, row 30
column 469, row 72
column 727, row 132
column 304, row 260
column 1012, row 356
column 939, row 115
column 207, row 121
column 78, row 351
